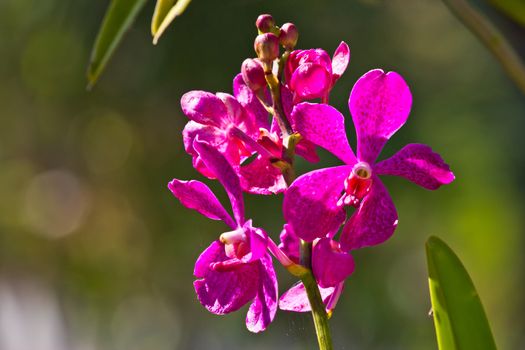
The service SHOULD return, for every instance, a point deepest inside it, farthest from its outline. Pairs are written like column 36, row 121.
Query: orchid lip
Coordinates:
column 357, row 185
column 225, row 266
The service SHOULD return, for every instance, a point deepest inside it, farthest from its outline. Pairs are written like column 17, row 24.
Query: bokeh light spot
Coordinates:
column 107, row 142
column 52, row 63
column 55, row 203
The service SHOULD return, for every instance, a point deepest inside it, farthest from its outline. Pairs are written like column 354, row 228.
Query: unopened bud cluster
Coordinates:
column 267, row 47
column 271, row 36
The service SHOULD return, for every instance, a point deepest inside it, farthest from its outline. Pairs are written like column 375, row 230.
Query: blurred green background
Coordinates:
column 95, row 253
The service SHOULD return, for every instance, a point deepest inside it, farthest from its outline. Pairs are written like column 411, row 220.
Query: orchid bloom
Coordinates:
column 236, row 268
column 224, row 123
column 312, row 74
column 315, row 203
column 240, row 129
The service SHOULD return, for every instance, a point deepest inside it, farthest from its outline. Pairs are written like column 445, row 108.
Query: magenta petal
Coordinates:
column 310, row 203
column 216, row 162
column 373, row 222
column 317, row 56
column 296, row 300
column 196, row 195
column 306, row 149
column 419, row 164
column 258, row 242
column 323, row 125
column 340, row 61
column 290, row 243
column 312, row 56
column 261, row 177
column 380, row 103
column 237, row 115
column 250, row 102
column 310, row 80
column 274, row 127
column 330, row 265
column 286, row 101
column 262, row 311
column 214, row 136
column 204, row 108
column 211, row 254
column 224, row 292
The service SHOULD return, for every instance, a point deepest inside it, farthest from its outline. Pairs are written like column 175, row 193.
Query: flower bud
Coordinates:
column 253, row 74
column 265, row 23
column 288, row 36
column 267, row 47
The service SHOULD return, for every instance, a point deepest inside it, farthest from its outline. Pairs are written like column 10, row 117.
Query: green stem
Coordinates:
column 275, row 90
column 289, row 138
column 282, row 64
column 320, row 317
column 492, row 38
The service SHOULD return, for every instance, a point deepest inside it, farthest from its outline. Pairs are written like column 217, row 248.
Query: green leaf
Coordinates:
column 119, row 17
column 161, row 10
column 162, row 18
column 459, row 319
column 514, row 9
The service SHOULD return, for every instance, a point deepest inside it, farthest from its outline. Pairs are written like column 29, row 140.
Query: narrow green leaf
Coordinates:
column 459, row 319
column 162, row 7
column 119, row 17
column 175, row 11
column 514, row 9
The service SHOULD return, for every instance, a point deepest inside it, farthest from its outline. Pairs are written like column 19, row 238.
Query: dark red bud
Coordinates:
column 265, row 23
column 267, row 47
column 253, row 74
column 288, row 36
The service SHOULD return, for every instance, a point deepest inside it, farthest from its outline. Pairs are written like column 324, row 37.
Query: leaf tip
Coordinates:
column 434, row 241
column 92, row 75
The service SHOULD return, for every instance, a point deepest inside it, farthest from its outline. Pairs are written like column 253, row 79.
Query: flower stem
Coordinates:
column 275, row 90
column 320, row 317
column 290, row 140
column 282, row 64
column 287, row 133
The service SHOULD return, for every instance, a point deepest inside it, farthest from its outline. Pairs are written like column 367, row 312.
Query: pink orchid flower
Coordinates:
column 312, row 74
column 315, row 203
column 233, row 129
column 236, row 269
column 239, row 127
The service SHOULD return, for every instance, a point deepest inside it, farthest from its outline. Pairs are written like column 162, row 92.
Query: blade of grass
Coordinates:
column 459, row 318
column 119, row 17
